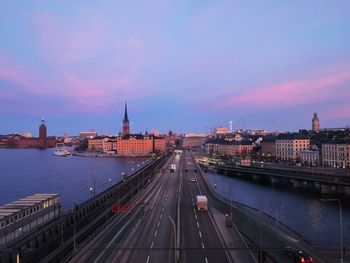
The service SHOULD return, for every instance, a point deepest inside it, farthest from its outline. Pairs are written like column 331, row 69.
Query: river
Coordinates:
column 315, row 220
column 25, row 172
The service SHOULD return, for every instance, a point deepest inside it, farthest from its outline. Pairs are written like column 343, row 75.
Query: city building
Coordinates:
column 310, row 156
column 42, row 142
column 226, row 148
column 159, row 144
column 134, row 145
column 336, row 154
column 268, row 147
column 96, row 144
column 221, row 130
column 126, row 126
column 87, row 135
column 288, row 146
column 191, row 141
column 315, row 123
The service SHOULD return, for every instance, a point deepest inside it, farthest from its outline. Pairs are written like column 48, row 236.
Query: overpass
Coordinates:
column 298, row 178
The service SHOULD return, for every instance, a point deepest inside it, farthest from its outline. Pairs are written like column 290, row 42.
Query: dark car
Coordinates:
column 298, row 256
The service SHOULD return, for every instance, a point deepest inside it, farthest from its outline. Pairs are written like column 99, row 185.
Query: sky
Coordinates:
column 183, row 65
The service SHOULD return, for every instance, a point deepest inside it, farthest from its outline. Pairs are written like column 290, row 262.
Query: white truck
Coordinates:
column 202, row 203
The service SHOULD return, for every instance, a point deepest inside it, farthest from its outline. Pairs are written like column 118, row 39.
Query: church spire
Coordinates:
column 126, row 127
column 126, row 113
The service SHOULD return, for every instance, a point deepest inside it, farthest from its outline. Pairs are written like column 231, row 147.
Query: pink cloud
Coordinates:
column 320, row 86
column 338, row 112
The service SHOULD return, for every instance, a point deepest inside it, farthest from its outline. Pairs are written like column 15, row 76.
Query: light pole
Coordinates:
column 341, row 226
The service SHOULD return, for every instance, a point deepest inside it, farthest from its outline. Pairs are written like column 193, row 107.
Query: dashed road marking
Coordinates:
column 160, row 216
column 152, row 244
column 206, row 260
column 195, row 215
column 200, row 234
column 197, row 224
column 158, row 223
column 147, row 259
column 202, row 245
column 155, row 233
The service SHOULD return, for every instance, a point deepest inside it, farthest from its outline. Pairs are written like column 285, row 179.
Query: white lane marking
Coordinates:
column 163, row 209
column 202, row 245
column 155, row 233
column 206, row 260
column 152, row 244
column 161, row 216
column 197, row 224
column 147, row 259
column 200, row 234
column 158, row 223
column 195, row 215
column 194, row 210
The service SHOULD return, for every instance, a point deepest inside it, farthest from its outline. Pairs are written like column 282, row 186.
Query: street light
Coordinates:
column 341, row 225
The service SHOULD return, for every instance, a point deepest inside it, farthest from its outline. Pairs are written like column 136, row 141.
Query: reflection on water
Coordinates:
column 317, row 221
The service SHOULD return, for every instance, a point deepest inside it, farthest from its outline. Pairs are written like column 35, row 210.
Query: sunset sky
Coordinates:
column 185, row 65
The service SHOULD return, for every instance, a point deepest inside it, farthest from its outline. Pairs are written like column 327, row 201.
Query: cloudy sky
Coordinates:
column 185, row 65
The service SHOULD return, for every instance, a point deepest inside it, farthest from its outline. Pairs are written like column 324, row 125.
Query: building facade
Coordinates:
column 310, row 157
column 134, row 145
column 289, row 149
column 336, row 154
column 268, row 147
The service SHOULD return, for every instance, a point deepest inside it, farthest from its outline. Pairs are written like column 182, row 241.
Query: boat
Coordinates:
column 61, row 150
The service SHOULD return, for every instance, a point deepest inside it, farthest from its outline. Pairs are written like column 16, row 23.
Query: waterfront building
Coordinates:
column 315, row 123
column 96, row 144
column 268, row 147
column 310, row 156
column 226, row 148
column 42, row 142
column 135, row 145
column 27, row 214
column 336, row 154
column 288, row 146
column 126, row 126
column 159, row 144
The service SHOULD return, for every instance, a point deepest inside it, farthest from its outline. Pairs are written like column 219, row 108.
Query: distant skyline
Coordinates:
column 180, row 65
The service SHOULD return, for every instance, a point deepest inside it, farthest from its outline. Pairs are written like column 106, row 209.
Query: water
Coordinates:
column 316, row 221
column 28, row 171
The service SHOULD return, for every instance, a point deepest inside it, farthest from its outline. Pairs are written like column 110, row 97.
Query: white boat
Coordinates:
column 61, row 150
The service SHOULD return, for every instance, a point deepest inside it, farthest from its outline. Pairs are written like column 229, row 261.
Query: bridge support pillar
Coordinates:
column 274, row 180
column 296, row 183
column 326, row 188
column 347, row 190
column 340, row 189
column 255, row 177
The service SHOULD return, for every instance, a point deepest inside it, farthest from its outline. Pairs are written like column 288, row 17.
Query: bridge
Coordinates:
column 297, row 177
column 152, row 217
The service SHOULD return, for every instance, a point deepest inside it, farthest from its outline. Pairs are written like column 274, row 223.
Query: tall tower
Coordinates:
column 315, row 123
column 42, row 130
column 126, row 127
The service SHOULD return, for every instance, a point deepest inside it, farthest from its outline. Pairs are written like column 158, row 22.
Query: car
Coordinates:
column 192, row 179
column 298, row 256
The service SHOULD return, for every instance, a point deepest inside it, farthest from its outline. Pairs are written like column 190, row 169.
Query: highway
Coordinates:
column 147, row 233
column 199, row 239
